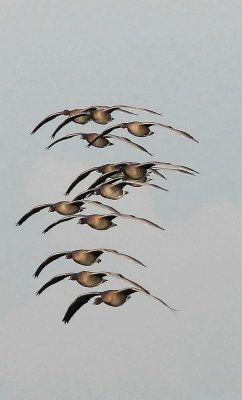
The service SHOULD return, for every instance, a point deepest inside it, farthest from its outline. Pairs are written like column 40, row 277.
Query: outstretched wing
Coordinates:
column 52, row 281
column 118, row 108
column 174, row 167
column 63, row 138
column 67, row 121
column 120, row 276
column 80, row 177
column 157, row 298
column 141, row 108
column 49, row 227
column 84, row 194
column 137, row 183
column 49, row 118
column 127, row 257
column 142, row 220
column 48, row 260
column 32, row 212
column 101, row 205
column 128, row 141
column 77, row 304
column 185, row 134
column 103, row 178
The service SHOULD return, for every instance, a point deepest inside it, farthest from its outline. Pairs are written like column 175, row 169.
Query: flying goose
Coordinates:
column 99, row 114
column 114, row 191
column 100, row 143
column 84, row 257
column 113, row 298
column 102, row 221
column 140, row 129
column 87, row 279
column 131, row 170
column 63, row 208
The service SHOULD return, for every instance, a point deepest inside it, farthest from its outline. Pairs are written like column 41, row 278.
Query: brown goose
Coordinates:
column 87, row 279
column 63, row 208
column 102, row 221
column 113, row 298
column 99, row 143
column 140, row 129
column 112, row 191
column 130, row 170
column 99, row 114
column 84, row 257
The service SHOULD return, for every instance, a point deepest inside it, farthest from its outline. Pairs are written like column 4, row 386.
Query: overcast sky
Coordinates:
column 182, row 58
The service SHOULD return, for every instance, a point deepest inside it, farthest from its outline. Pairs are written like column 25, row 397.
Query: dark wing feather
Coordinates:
column 129, row 291
column 47, row 119
column 63, row 138
column 48, row 260
column 52, row 281
column 127, row 257
column 77, row 304
column 67, row 121
column 80, row 177
column 185, row 134
column 31, row 212
column 118, row 108
column 84, row 194
column 128, row 141
column 49, row 227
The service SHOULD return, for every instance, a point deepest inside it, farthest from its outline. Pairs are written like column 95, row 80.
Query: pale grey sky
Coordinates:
column 182, row 58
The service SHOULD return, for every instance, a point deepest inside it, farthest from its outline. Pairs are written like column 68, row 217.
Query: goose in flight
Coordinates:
column 98, row 114
column 63, row 208
column 113, row 298
column 84, row 257
column 140, row 129
column 100, row 143
column 102, row 221
column 87, row 279
column 114, row 191
column 130, row 170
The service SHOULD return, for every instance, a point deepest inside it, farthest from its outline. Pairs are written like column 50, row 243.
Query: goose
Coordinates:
column 131, row 170
column 87, row 279
column 63, row 208
column 140, row 129
column 99, row 114
column 112, row 191
column 100, row 143
column 102, row 221
column 84, row 257
column 113, row 298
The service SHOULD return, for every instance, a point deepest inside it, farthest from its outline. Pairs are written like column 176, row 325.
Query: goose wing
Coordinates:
column 103, row 178
column 120, row 276
column 157, row 298
column 77, row 304
column 80, row 177
column 140, row 108
column 99, row 204
column 106, row 132
column 67, row 121
column 126, row 256
column 52, row 281
column 126, row 140
column 183, row 133
column 48, row 260
column 32, row 212
column 63, row 138
column 47, row 119
column 142, row 220
column 137, row 183
column 49, row 227
column 173, row 167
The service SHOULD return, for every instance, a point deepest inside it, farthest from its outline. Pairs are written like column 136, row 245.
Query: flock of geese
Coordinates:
column 114, row 177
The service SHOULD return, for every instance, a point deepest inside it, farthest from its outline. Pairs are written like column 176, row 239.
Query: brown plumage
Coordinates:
column 87, row 279
column 84, row 257
column 130, row 170
column 63, row 208
column 102, row 221
column 99, row 114
column 100, row 142
column 140, row 129
column 113, row 298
